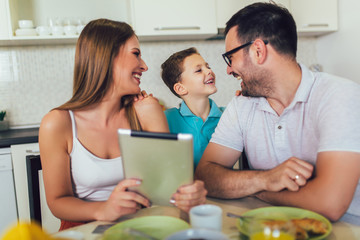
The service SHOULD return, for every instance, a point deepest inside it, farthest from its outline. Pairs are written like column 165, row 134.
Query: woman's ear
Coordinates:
column 180, row 89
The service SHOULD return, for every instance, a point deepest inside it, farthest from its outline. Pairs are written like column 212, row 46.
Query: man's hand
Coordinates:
column 291, row 175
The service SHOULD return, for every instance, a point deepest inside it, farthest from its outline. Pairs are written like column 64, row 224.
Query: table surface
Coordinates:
column 341, row 230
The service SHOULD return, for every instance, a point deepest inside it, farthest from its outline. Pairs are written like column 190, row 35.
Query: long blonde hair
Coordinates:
column 97, row 47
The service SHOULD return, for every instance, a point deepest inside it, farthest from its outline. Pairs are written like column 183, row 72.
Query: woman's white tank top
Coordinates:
column 94, row 178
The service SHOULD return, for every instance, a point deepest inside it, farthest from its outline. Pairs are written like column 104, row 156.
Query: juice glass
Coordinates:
column 261, row 228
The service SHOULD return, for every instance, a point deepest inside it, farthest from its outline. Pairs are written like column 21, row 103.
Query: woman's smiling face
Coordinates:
column 128, row 67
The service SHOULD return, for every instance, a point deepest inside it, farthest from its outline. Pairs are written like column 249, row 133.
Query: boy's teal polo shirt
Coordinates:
column 182, row 120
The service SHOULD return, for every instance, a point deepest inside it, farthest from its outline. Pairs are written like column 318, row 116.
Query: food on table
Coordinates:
column 311, row 225
column 304, row 226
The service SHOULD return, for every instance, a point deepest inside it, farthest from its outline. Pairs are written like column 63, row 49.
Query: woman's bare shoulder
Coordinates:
column 56, row 121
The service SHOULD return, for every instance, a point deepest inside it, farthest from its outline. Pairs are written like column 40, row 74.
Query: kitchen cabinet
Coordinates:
column 225, row 9
column 310, row 17
column 284, row 3
column 155, row 19
column 4, row 20
column 315, row 17
column 18, row 155
column 8, row 216
column 173, row 20
column 46, row 12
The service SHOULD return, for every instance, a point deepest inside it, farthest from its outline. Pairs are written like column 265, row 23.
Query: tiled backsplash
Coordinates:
column 35, row 79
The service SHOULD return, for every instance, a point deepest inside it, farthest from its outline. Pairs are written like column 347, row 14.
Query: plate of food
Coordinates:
column 308, row 224
column 148, row 227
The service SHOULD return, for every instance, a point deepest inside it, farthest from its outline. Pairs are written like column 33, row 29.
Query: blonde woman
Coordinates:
column 79, row 150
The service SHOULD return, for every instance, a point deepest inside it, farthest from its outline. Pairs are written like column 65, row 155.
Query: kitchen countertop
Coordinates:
column 18, row 136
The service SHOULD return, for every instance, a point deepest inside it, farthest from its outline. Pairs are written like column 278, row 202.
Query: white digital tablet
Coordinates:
column 163, row 161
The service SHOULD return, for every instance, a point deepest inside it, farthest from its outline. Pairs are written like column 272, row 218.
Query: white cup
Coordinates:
column 206, row 216
column 79, row 28
column 70, row 30
column 25, row 24
column 43, row 30
column 57, row 30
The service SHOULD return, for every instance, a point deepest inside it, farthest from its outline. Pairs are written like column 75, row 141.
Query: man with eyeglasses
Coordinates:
column 300, row 130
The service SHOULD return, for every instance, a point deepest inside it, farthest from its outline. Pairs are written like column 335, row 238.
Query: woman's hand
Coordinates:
column 150, row 113
column 188, row 196
column 146, row 103
column 122, row 202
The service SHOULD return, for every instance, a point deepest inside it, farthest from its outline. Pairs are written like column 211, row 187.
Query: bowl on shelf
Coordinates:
column 57, row 30
column 70, row 30
column 43, row 30
column 26, row 24
column 25, row 32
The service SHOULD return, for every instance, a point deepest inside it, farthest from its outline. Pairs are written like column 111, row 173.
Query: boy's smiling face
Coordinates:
column 197, row 77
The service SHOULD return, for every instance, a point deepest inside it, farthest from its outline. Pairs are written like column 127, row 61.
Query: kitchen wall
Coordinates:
column 35, row 79
column 339, row 52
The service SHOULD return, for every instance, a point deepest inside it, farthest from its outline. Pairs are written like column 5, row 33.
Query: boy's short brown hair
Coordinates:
column 173, row 67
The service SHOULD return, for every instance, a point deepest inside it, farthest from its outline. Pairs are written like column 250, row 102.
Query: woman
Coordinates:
column 79, row 149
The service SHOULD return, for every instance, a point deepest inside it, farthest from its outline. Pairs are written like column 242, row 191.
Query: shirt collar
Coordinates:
column 214, row 110
column 306, row 84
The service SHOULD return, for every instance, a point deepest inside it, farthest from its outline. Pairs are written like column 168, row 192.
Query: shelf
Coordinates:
column 39, row 40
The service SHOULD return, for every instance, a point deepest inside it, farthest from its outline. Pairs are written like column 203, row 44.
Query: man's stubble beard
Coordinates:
column 256, row 82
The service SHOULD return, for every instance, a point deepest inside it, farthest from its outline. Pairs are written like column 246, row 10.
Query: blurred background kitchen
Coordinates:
column 36, row 71
column 37, row 61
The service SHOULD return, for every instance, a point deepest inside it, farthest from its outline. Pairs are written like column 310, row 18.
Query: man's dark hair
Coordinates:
column 267, row 21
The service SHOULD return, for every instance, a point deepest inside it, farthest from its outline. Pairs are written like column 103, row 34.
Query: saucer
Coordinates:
column 25, row 32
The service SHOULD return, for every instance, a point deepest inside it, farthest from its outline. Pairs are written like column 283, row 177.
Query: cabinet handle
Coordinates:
column 32, row 151
column 177, row 28
column 316, row 25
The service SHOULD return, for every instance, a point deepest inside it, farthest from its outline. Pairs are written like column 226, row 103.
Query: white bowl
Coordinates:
column 57, row 30
column 79, row 28
column 70, row 30
column 25, row 24
column 43, row 30
column 25, row 32
column 194, row 233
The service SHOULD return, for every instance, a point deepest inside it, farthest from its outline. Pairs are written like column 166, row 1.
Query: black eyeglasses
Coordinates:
column 226, row 55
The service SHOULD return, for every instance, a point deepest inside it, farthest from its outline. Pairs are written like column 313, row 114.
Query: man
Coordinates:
column 300, row 130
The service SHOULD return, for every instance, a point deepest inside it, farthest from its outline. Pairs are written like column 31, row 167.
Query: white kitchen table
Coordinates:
column 341, row 230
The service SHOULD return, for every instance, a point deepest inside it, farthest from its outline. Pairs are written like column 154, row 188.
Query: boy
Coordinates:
column 190, row 78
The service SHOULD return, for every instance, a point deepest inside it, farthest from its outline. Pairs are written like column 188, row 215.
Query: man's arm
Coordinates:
column 215, row 169
column 330, row 192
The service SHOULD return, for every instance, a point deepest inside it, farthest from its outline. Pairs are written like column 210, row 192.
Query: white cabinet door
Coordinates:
column 173, row 19
column 225, row 9
column 284, row 3
column 18, row 155
column 315, row 16
column 4, row 20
